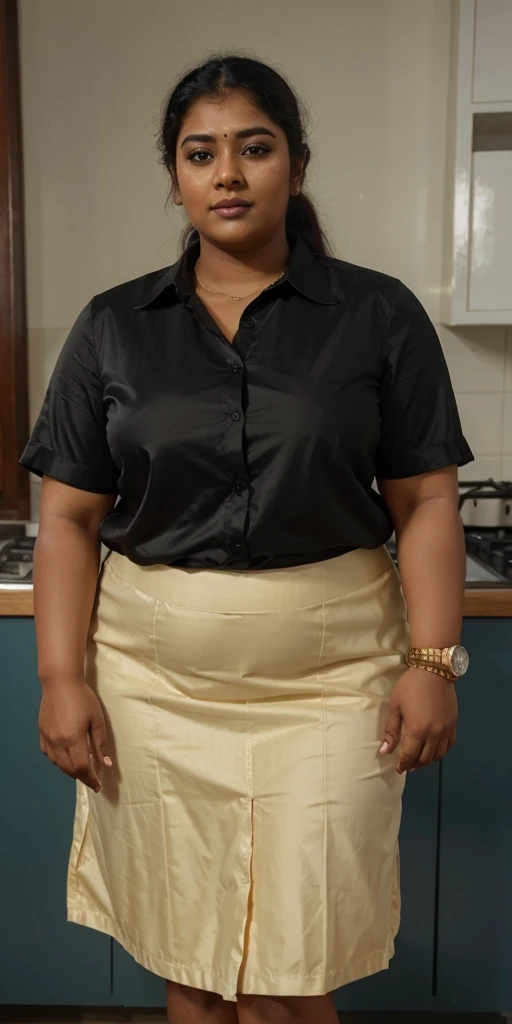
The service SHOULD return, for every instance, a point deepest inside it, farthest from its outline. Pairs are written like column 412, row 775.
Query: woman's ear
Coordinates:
column 296, row 176
column 175, row 194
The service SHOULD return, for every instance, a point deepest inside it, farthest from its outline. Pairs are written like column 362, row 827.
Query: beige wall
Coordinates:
column 374, row 74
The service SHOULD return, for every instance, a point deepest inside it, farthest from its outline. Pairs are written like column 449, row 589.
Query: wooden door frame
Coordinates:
column 14, row 410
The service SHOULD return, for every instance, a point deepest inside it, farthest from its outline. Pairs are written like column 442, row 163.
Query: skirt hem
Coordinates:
column 207, row 979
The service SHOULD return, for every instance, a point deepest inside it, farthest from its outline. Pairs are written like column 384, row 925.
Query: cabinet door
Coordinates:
column 133, row 985
column 407, row 984
column 475, row 881
column 43, row 958
column 492, row 67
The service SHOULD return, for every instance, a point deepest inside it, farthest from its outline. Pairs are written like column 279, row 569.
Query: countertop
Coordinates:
column 479, row 601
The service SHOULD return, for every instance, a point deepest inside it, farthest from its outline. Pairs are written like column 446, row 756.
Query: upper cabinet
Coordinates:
column 478, row 255
column 491, row 31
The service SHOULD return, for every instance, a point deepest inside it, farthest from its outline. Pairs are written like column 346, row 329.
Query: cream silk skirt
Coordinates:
column 246, row 839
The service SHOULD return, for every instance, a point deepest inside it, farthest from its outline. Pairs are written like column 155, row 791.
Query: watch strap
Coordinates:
column 435, row 669
column 432, row 655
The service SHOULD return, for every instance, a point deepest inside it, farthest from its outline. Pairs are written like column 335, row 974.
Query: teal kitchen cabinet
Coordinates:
column 474, row 946
column 133, row 985
column 43, row 958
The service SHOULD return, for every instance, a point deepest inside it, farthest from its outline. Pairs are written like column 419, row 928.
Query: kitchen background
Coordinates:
column 389, row 142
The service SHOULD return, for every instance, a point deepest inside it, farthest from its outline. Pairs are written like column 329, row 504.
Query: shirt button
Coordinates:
column 239, row 486
column 237, row 547
column 247, row 321
column 235, row 415
column 237, row 369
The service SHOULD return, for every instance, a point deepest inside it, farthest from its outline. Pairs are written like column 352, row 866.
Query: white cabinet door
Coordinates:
column 490, row 276
column 492, row 69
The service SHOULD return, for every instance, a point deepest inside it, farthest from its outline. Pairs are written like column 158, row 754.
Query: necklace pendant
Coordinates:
column 236, row 298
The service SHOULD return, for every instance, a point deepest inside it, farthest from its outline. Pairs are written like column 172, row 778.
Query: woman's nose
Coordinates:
column 228, row 170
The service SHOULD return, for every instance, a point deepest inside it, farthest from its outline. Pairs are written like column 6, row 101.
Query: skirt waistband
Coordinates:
column 294, row 586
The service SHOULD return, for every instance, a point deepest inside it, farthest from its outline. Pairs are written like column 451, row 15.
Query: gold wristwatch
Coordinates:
column 450, row 662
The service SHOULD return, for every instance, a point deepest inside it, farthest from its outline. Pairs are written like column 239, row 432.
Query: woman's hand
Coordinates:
column 70, row 718
column 426, row 704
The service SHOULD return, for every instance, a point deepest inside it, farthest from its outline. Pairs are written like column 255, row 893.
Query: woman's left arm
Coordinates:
column 431, row 557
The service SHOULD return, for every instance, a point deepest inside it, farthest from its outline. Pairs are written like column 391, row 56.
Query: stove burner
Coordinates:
column 493, row 548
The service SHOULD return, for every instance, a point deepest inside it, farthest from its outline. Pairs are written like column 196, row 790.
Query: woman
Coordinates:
column 250, row 662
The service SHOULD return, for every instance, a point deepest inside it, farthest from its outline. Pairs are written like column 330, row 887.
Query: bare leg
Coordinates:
column 286, row 1009
column 194, row 1006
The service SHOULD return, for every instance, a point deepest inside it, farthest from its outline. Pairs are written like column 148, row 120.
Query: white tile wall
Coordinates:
column 508, row 361
column 480, row 363
column 475, row 357
column 482, row 468
column 506, row 437
column 481, row 414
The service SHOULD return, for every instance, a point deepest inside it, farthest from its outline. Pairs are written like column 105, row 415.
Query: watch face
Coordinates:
column 459, row 660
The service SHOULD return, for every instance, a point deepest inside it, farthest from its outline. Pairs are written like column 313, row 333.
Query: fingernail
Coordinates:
column 384, row 747
column 108, row 761
column 97, row 789
column 412, row 769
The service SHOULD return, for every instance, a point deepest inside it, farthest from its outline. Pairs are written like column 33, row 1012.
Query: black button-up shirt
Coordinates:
column 256, row 454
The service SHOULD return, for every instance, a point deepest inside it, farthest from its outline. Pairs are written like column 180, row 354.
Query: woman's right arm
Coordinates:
column 66, row 564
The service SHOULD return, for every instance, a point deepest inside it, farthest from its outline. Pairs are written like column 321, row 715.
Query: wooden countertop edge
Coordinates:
column 478, row 603
column 16, row 602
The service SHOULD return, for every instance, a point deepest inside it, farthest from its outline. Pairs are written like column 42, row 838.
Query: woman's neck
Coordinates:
column 237, row 271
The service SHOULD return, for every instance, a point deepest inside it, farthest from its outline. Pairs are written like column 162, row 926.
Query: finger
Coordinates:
column 443, row 748
column 58, row 757
column 429, row 751
column 99, row 742
column 453, row 736
column 412, row 745
column 78, row 754
column 391, row 730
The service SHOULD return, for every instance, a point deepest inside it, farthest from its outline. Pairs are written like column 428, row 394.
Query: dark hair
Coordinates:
column 273, row 95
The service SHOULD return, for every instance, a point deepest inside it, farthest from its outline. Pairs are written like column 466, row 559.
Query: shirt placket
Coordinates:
column 238, row 500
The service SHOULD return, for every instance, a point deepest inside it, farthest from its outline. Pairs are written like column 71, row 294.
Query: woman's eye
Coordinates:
column 204, row 152
column 198, row 152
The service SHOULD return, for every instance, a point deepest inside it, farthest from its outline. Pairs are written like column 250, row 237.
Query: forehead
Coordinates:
column 227, row 113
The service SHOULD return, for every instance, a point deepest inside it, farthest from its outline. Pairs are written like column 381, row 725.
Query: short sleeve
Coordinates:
column 68, row 441
column 420, row 426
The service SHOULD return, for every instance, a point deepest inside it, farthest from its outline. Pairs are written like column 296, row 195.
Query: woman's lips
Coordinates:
column 231, row 211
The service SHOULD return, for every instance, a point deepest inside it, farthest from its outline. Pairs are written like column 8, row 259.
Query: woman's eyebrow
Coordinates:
column 245, row 133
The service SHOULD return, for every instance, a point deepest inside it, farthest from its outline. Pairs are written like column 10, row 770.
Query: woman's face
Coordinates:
column 254, row 168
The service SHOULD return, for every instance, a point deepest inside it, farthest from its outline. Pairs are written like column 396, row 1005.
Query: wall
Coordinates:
column 374, row 75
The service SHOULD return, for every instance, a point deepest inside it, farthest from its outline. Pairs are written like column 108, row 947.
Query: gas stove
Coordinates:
column 492, row 549
column 16, row 556
column 486, row 511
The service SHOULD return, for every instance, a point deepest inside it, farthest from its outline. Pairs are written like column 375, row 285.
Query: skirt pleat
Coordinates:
column 246, row 839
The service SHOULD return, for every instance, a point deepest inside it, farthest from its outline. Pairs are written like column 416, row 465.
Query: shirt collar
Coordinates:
column 305, row 273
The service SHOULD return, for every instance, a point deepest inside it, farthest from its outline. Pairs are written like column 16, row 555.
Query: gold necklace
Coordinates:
column 237, row 298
